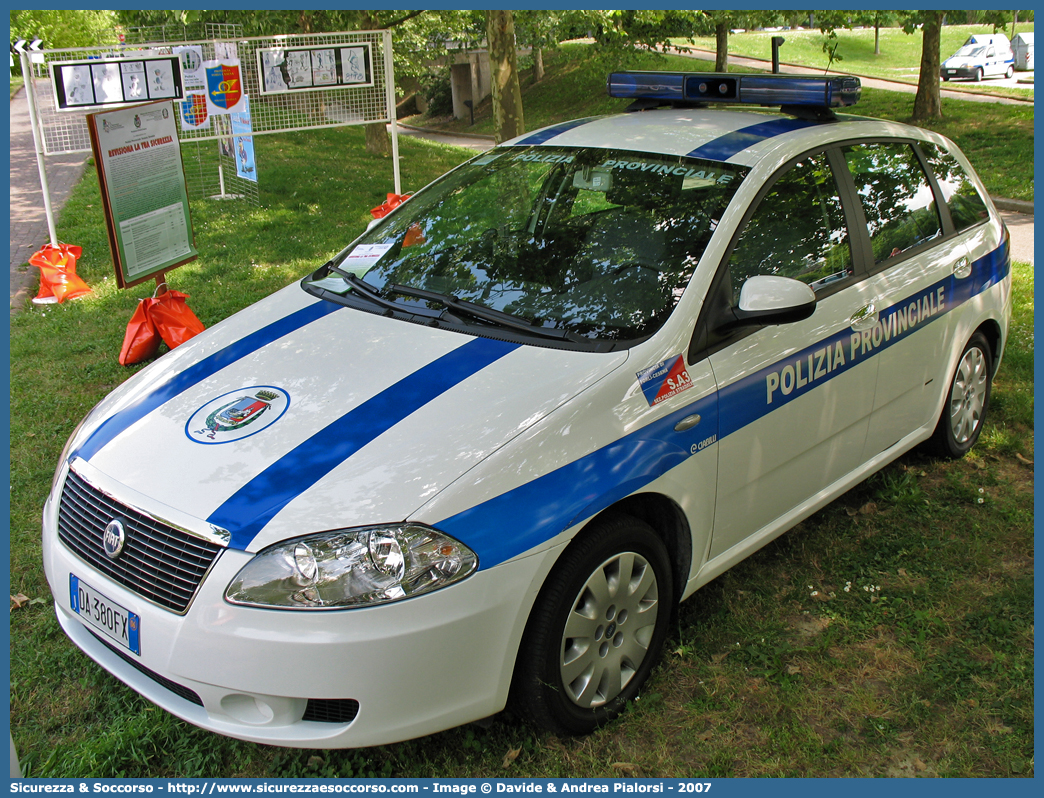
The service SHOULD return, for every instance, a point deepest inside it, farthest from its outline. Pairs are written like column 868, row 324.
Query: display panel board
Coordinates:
column 327, row 66
column 143, row 190
column 99, row 83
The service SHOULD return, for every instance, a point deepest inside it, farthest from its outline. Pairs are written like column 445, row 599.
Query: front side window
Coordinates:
column 596, row 243
column 798, row 230
column 896, row 197
column 966, row 205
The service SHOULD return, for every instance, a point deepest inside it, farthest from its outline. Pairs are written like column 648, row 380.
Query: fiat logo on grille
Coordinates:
column 115, row 537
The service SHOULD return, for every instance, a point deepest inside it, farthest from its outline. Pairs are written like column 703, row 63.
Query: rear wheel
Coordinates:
column 1009, row 72
column 597, row 628
column 967, row 402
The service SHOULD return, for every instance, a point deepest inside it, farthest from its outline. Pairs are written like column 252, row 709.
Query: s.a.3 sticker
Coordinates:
column 237, row 414
column 664, row 380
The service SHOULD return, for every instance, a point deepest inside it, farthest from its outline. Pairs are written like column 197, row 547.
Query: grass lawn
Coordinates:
column 900, row 56
column 889, row 634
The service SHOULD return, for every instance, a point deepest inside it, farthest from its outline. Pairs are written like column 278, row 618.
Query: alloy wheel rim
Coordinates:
column 608, row 631
column 968, row 396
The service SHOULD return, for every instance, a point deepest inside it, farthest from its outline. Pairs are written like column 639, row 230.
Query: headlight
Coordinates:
column 352, row 568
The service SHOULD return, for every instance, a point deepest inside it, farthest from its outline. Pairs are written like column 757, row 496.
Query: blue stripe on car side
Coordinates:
column 247, row 511
column 535, row 512
column 521, row 519
column 548, row 133
column 724, row 147
column 182, row 381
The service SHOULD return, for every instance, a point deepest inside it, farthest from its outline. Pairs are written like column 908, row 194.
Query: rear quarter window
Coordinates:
column 896, row 197
column 967, row 207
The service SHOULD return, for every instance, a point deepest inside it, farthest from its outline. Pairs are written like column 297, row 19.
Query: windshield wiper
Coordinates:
column 364, row 289
column 481, row 312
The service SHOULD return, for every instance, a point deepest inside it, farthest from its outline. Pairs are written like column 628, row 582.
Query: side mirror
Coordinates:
column 766, row 299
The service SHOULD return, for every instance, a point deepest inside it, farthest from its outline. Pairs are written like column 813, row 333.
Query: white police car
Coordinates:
column 482, row 453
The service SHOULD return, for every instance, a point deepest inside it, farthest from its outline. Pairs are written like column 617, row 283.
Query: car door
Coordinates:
column 911, row 263
column 794, row 399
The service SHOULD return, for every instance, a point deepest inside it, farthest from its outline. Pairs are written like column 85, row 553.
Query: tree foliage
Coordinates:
column 61, row 29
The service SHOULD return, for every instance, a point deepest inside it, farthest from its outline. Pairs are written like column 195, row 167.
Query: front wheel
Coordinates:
column 978, row 75
column 965, row 410
column 597, row 628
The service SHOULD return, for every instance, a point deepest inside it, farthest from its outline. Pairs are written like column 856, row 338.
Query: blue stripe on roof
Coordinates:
column 182, row 381
column 548, row 133
column 246, row 512
column 724, row 147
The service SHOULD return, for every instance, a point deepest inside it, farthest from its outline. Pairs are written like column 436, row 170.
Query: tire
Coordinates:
column 1009, row 72
column 968, row 399
column 597, row 628
column 945, row 79
column 978, row 75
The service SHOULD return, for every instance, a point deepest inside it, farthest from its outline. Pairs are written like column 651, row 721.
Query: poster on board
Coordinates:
column 143, row 190
column 290, row 69
column 116, row 81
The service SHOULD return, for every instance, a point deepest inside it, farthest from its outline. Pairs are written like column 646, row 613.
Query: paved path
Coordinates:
column 28, row 219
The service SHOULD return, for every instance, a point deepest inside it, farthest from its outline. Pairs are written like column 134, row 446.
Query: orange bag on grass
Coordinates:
column 174, row 319
column 390, row 204
column 58, row 280
column 141, row 340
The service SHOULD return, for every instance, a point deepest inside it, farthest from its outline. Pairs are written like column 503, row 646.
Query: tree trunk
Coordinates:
column 927, row 104
column 378, row 142
column 877, row 37
column 721, row 45
column 538, row 63
column 507, row 93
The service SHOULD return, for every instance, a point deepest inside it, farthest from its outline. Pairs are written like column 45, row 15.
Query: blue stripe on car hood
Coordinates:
column 194, row 374
column 247, row 511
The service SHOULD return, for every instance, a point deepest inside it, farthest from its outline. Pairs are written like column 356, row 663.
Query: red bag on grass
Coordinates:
column 390, row 204
column 174, row 320
column 58, row 280
column 141, row 340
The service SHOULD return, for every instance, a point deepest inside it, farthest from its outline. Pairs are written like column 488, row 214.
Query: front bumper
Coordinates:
column 960, row 72
column 331, row 679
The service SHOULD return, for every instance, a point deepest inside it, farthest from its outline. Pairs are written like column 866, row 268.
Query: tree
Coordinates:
column 722, row 23
column 59, row 29
column 508, row 121
column 927, row 102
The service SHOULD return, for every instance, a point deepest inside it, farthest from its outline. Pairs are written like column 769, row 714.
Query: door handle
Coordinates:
column 864, row 318
column 962, row 268
column 687, row 423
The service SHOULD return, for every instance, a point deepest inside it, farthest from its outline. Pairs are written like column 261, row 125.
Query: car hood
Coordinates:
column 296, row 416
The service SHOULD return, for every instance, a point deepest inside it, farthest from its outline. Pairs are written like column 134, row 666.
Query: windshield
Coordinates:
column 969, row 51
column 596, row 243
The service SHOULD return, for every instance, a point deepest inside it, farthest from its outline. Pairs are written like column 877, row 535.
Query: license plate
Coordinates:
column 105, row 615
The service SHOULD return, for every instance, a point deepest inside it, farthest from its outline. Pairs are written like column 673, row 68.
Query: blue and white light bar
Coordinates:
column 715, row 87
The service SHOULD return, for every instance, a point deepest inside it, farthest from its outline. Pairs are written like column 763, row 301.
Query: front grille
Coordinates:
column 331, row 710
column 179, row 690
column 159, row 562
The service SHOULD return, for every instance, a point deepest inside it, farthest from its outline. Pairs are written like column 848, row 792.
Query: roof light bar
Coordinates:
column 714, row 87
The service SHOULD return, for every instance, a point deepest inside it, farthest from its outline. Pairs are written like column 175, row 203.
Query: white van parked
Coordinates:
column 984, row 55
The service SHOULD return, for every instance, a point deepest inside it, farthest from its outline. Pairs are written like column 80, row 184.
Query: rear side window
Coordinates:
column 966, row 205
column 896, row 196
column 798, row 230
